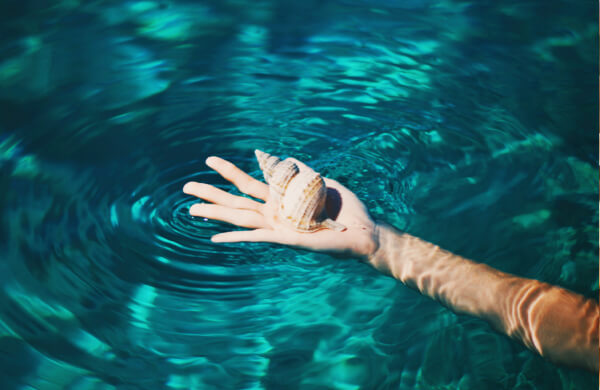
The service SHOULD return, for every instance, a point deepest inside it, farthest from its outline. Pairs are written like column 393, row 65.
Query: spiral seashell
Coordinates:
column 301, row 194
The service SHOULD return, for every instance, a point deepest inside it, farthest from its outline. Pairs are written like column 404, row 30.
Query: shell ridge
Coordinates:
column 300, row 194
column 309, row 203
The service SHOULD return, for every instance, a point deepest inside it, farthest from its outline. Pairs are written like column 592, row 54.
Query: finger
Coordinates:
column 215, row 195
column 243, row 218
column 273, row 236
column 257, row 235
column 244, row 182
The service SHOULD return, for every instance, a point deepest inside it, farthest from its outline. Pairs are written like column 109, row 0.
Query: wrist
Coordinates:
column 383, row 239
column 363, row 241
column 370, row 243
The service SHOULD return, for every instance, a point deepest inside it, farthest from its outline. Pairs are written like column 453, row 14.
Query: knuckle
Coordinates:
column 244, row 185
column 200, row 188
column 229, row 169
column 238, row 203
column 243, row 203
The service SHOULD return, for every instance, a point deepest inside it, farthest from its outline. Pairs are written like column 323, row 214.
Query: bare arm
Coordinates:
column 556, row 323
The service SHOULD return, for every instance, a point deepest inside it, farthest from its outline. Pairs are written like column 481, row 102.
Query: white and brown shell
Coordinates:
column 301, row 194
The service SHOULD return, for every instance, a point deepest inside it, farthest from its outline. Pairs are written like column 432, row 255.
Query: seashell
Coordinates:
column 300, row 194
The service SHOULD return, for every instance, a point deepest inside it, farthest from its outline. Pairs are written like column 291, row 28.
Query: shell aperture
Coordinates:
column 301, row 194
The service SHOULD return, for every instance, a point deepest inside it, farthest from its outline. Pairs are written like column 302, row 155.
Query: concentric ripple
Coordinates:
column 463, row 123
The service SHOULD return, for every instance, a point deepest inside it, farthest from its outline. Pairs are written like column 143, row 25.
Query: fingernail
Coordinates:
column 215, row 239
column 187, row 187
column 196, row 209
column 210, row 160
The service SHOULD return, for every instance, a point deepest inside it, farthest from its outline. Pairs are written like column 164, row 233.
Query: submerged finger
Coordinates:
column 216, row 195
column 243, row 218
column 257, row 235
column 244, row 182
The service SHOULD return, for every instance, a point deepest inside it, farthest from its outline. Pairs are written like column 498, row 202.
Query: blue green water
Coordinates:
column 472, row 124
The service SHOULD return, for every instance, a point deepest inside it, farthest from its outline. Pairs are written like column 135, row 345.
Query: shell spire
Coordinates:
column 267, row 163
column 277, row 173
column 300, row 194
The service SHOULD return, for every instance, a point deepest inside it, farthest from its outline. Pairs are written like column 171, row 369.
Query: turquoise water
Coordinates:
column 470, row 124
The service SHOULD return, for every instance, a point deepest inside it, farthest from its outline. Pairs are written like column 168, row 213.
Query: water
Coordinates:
column 469, row 124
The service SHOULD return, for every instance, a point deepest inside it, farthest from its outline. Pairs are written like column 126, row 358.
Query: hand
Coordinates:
column 358, row 239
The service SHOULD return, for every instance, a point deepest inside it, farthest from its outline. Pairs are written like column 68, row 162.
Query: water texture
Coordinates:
column 470, row 124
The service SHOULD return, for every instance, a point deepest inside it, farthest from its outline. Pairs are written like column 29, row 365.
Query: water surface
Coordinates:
column 470, row 124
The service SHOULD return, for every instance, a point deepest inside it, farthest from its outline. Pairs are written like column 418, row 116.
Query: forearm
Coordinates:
column 558, row 324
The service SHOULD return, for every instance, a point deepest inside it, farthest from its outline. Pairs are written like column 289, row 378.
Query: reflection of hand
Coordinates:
column 358, row 239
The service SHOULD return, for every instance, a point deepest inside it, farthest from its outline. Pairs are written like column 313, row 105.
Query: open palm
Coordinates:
column 262, row 218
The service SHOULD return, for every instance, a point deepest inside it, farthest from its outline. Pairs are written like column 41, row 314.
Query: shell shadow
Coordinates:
column 333, row 204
